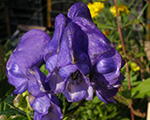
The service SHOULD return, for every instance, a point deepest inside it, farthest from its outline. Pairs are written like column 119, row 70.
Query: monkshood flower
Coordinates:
column 28, row 53
column 54, row 112
column 51, row 55
column 75, row 66
column 105, row 59
column 41, row 100
column 69, row 68
column 56, row 82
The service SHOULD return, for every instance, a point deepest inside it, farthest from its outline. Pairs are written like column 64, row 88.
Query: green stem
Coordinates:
column 67, row 105
column 71, row 111
column 28, row 116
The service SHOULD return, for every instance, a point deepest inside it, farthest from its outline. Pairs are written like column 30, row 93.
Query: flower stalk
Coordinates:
column 124, row 51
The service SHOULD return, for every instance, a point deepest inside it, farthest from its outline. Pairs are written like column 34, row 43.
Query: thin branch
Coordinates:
column 124, row 51
column 147, row 1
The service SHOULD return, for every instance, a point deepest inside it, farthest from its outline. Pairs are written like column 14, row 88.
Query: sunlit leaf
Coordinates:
column 142, row 90
column 100, row 25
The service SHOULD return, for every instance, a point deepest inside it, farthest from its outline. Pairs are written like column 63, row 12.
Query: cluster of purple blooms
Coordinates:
column 79, row 58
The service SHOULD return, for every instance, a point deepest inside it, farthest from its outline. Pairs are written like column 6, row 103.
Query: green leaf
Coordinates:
column 8, row 100
column 142, row 90
column 13, row 111
column 96, row 100
column 131, row 22
column 125, row 119
column 43, row 69
column 101, row 26
column 124, row 94
column 20, row 118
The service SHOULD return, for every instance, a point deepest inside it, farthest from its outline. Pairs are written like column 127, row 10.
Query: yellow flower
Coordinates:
column 106, row 32
column 134, row 67
column 102, row 0
column 95, row 7
column 119, row 49
column 121, row 9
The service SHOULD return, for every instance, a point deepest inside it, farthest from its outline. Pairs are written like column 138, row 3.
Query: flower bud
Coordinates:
column 3, row 117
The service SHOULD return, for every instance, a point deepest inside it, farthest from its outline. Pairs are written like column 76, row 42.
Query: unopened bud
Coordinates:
column 18, row 100
column 3, row 117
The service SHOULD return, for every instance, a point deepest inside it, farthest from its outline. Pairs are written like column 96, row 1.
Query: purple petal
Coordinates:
column 88, row 88
column 75, row 93
column 37, row 116
column 54, row 99
column 64, row 72
column 30, row 49
column 36, row 81
column 51, row 63
column 54, row 113
column 98, row 43
column 78, row 10
column 27, row 54
column 118, row 83
column 56, row 82
column 78, row 88
column 20, row 89
column 64, row 51
column 53, row 46
column 70, row 47
column 16, row 77
column 106, row 100
column 14, row 74
column 109, row 65
column 103, row 92
column 41, row 104
column 109, row 62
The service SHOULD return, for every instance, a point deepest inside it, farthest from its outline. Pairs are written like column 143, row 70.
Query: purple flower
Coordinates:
column 69, row 75
column 28, row 53
column 54, row 113
column 77, row 84
column 45, row 108
column 105, row 59
column 106, row 62
column 41, row 100
column 75, row 66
